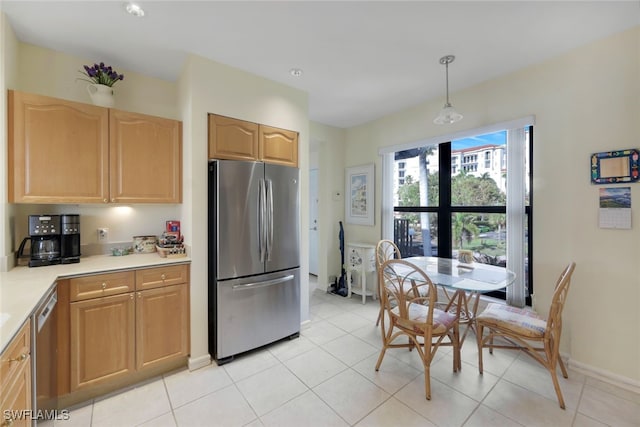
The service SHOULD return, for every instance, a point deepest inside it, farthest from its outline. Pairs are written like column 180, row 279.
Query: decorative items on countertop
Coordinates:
column 121, row 251
column 171, row 242
column 144, row 244
column 102, row 78
column 169, row 245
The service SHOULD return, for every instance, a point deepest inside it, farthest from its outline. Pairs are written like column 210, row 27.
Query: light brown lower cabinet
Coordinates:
column 117, row 340
column 102, row 339
column 161, row 325
column 15, row 380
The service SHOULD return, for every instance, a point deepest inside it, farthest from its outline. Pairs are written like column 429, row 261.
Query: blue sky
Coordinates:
column 498, row 138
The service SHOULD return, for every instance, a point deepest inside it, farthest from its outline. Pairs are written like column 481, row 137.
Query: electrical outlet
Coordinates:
column 103, row 234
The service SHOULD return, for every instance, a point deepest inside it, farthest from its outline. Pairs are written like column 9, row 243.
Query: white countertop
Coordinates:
column 22, row 288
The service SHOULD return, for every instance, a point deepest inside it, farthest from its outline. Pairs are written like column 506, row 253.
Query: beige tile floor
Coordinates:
column 327, row 378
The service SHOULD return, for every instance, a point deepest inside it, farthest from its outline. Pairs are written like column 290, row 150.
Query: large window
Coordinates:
column 454, row 196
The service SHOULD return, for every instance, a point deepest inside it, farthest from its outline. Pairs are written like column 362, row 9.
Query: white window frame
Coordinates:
column 516, row 187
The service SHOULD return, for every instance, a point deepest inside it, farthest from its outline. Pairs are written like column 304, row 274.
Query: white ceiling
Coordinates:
column 361, row 59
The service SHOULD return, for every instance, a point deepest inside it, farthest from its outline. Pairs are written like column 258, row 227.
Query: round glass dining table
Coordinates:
column 463, row 283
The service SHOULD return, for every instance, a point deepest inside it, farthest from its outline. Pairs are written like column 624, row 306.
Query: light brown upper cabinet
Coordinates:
column 278, row 146
column 58, row 150
column 235, row 139
column 69, row 152
column 232, row 139
column 146, row 158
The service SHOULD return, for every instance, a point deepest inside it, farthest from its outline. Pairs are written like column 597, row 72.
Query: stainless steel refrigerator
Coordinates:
column 254, row 256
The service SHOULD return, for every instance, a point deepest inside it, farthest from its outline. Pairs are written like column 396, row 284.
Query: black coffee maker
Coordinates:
column 70, row 238
column 44, row 235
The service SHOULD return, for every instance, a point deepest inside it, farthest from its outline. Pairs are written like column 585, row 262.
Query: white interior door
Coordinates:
column 313, row 221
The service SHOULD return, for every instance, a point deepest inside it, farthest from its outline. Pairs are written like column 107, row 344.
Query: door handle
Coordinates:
column 261, row 220
column 254, row 285
column 269, row 197
column 46, row 312
column 314, row 228
column 270, row 218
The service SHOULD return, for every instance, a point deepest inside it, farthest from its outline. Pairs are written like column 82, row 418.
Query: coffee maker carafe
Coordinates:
column 44, row 235
column 70, row 238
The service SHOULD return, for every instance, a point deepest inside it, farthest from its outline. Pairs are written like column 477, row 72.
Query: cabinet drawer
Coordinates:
column 101, row 285
column 149, row 278
column 15, row 355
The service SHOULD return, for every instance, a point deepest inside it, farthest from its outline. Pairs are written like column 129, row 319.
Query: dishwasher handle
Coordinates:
column 255, row 285
column 47, row 309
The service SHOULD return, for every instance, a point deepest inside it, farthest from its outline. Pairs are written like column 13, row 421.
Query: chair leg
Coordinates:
column 556, row 385
column 551, row 367
column 379, row 316
column 562, row 367
column 384, row 349
column 382, row 331
column 457, row 359
column 479, row 332
column 386, row 339
column 427, row 381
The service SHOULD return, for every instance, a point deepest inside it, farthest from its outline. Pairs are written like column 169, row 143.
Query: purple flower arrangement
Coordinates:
column 101, row 74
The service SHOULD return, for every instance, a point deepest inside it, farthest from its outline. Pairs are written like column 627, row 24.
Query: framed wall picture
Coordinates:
column 613, row 167
column 359, row 195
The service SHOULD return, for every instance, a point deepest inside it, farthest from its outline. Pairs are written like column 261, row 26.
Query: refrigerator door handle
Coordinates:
column 262, row 229
column 269, row 218
column 248, row 286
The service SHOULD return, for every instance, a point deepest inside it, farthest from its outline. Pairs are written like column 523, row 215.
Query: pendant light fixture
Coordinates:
column 448, row 114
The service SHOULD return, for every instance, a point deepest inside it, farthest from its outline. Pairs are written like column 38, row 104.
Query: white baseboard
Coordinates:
column 305, row 324
column 605, row 376
column 199, row 362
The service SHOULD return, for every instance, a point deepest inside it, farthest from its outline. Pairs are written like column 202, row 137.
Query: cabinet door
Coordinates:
column 15, row 379
column 232, row 139
column 58, row 150
column 278, row 146
column 15, row 400
column 102, row 340
column 146, row 158
column 162, row 328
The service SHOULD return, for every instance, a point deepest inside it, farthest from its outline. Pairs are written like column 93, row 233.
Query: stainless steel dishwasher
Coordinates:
column 44, row 352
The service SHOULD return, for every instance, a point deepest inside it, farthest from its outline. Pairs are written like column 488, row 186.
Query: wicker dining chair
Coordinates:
column 385, row 250
column 409, row 298
column 525, row 330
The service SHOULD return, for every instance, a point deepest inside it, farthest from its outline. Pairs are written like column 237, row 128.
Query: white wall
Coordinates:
column 8, row 75
column 330, row 148
column 586, row 101
column 47, row 72
column 209, row 87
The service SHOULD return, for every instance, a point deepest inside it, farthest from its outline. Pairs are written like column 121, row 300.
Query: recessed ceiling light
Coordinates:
column 295, row 72
column 134, row 10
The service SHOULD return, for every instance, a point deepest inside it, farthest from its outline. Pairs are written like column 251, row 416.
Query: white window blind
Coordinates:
column 516, row 164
